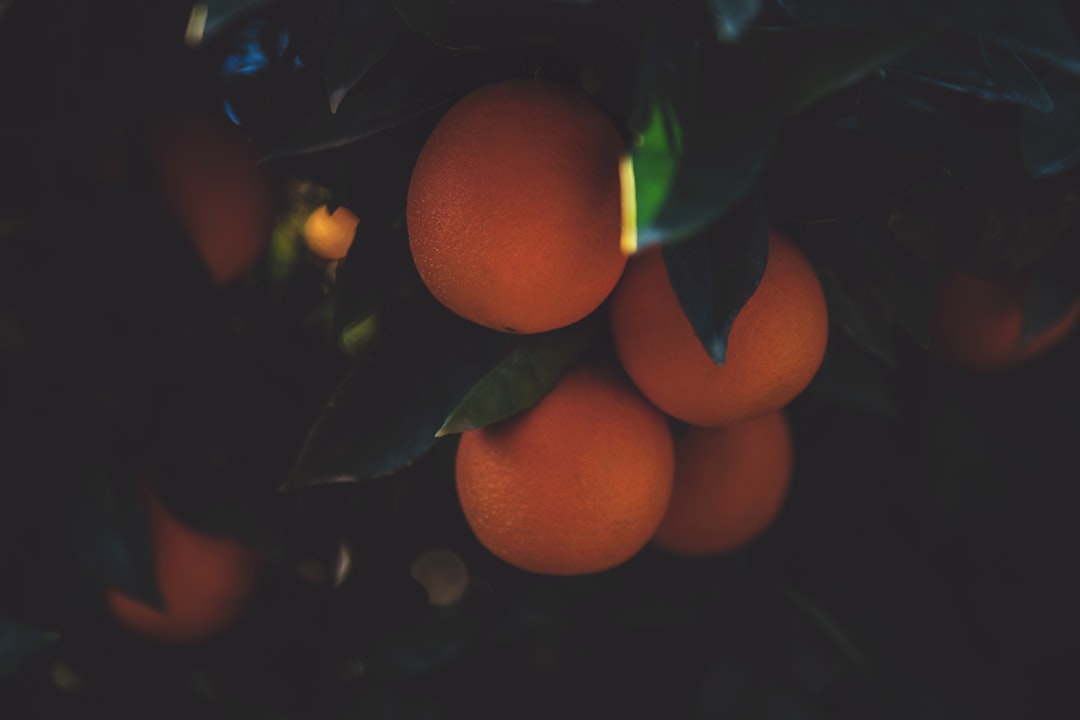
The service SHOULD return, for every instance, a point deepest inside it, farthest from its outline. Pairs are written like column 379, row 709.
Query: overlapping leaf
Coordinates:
column 523, row 376
column 715, row 273
column 386, row 412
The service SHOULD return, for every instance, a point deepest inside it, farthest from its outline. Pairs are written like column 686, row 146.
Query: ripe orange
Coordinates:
column 330, row 236
column 514, row 210
column 212, row 183
column 730, row 483
column 775, row 347
column 977, row 323
column 576, row 484
column 206, row 582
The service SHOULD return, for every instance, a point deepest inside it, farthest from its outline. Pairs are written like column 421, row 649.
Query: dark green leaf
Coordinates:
column 404, row 86
column 987, row 231
column 824, row 621
column 1046, row 302
column 17, row 643
column 714, row 274
column 385, row 414
column 1051, row 141
column 728, row 133
column 1036, row 27
column 473, row 24
column 966, row 64
column 853, row 379
column 377, row 269
column 367, row 32
column 447, row 24
column 894, row 110
column 109, row 532
column 844, row 13
column 859, row 315
column 521, row 378
column 809, row 64
column 968, row 483
column 901, row 283
column 733, row 17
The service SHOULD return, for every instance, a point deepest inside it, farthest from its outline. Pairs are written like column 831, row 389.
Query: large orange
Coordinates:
column 212, row 183
column 775, row 347
column 514, row 211
column 206, row 582
column 576, row 484
column 976, row 323
column 730, row 483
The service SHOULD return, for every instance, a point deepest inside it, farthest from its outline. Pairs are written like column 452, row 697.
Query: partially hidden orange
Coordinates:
column 730, row 484
column 576, row 484
column 977, row 323
column 212, row 182
column 205, row 581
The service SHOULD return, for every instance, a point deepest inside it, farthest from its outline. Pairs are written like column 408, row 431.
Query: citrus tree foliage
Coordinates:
column 921, row 565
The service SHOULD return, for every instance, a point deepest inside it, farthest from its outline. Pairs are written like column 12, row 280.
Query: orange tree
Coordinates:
column 468, row 453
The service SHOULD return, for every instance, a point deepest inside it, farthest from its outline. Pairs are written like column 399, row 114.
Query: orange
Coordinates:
column 212, row 183
column 330, row 235
column 730, row 483
column 977, row 323
column 206, row 582
column 775, row 346
column 514, row 210
column 576, row 484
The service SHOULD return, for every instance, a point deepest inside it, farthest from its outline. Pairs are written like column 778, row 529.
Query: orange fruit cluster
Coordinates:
column 514, row 221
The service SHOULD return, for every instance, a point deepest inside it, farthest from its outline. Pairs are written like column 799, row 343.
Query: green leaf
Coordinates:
column 407, row 84
column 714, row 274
column 521, row 378
column 733, row 17
column 18, row 642
column 109, row 532
column 386, row 412
column 1051, row 141
column 967, row 64
column 368, row 30
column 655, row 158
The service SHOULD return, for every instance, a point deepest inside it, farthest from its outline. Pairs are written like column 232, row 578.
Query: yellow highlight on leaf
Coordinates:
column 628, row 242
column 196, row 26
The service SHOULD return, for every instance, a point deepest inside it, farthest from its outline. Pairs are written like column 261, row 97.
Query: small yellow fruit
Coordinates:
column 330, row 235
